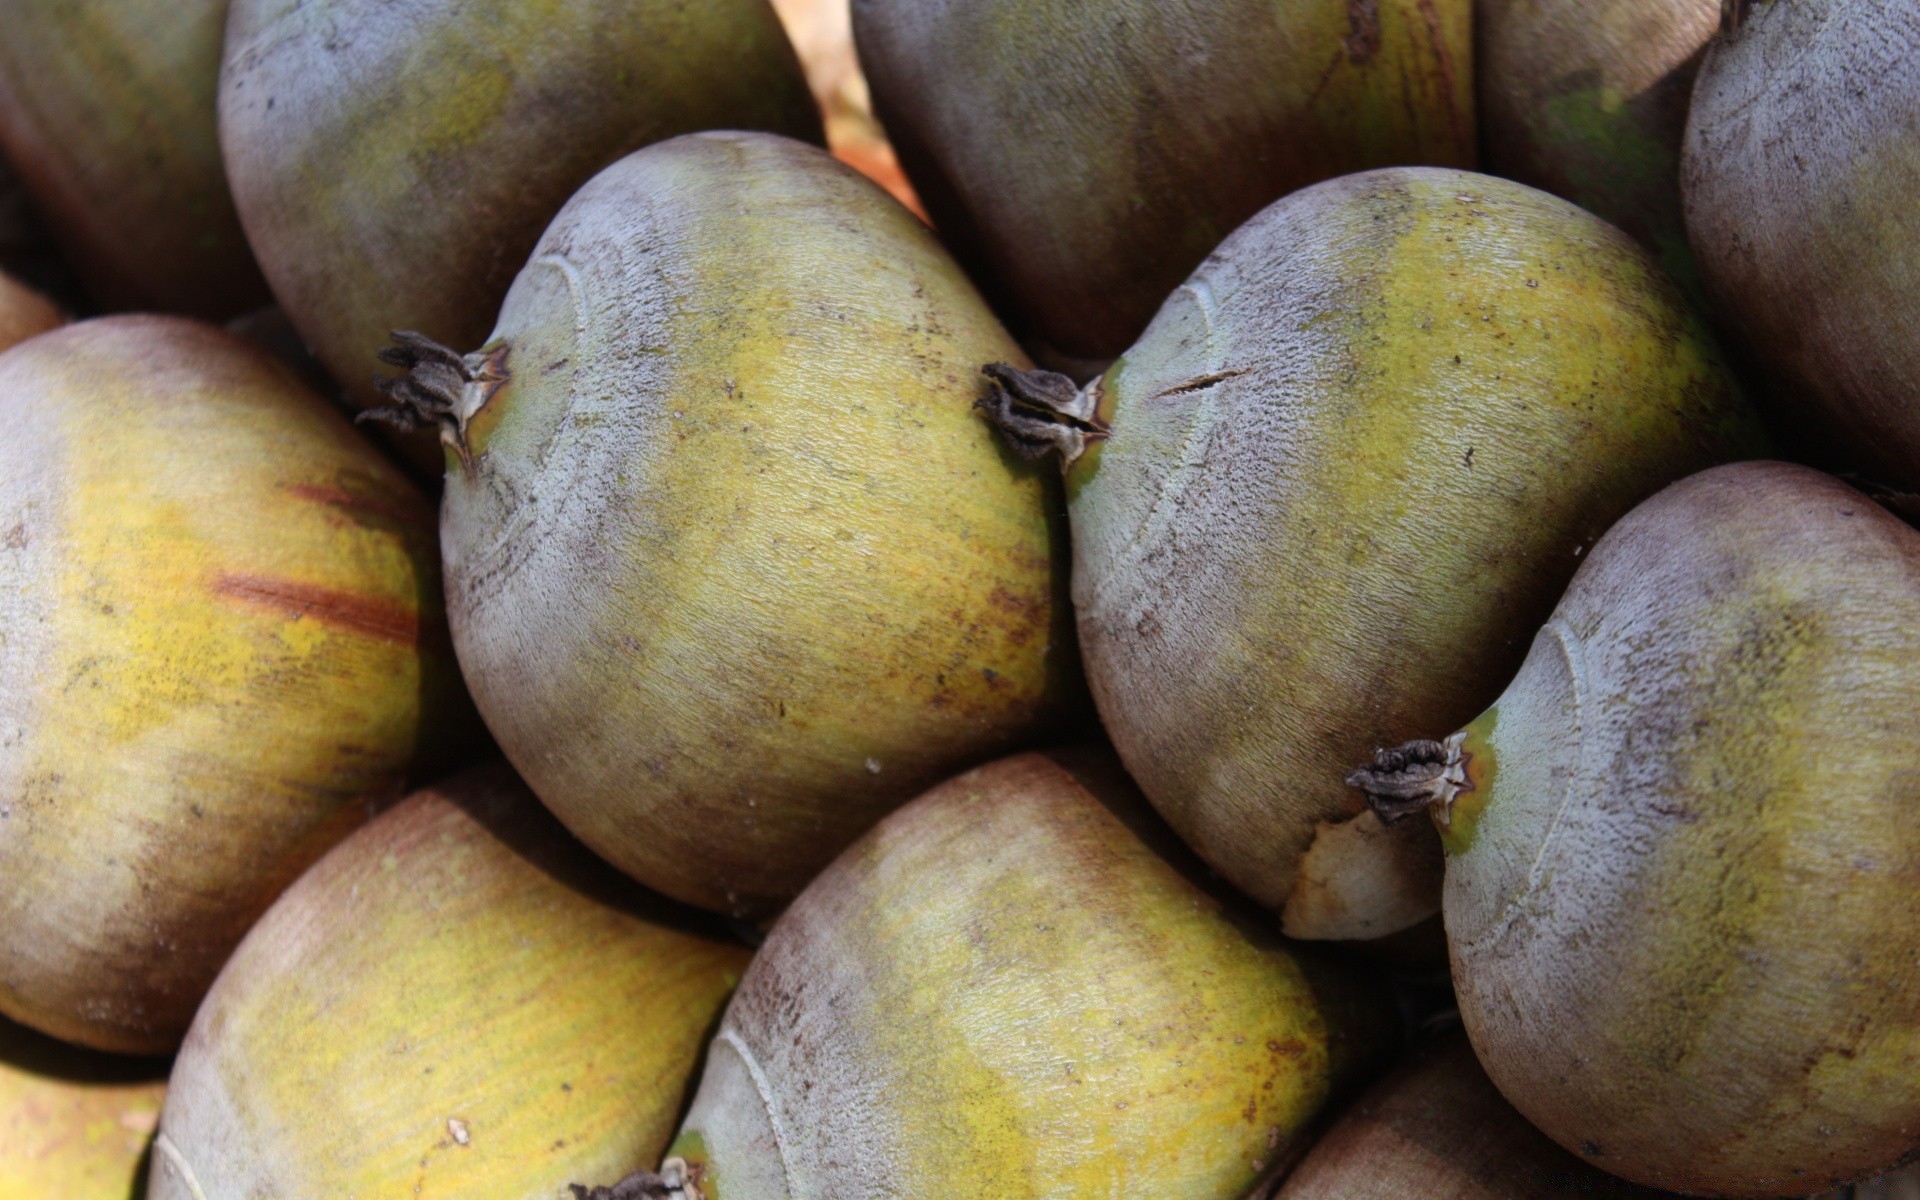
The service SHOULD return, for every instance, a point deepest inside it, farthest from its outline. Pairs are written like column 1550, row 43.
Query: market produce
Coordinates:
column 732, row 567
column 1082, row 158
column 458, row 1001
column 74, row 1124
column 1587, row 99
column 23, row 312
column 1437, row 1129
column 220, row 644
column 383, row 190
column 1329, row 495
column 1006, row 991
column 107, row 111
column 1801, row 164
column 1681, row 846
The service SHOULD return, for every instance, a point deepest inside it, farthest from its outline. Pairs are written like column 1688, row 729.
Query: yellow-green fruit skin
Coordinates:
column 107, row 109
column 23, row 312
column 1799, row 172
column 1437, row 1129
column 458, row 1002
column 220, row 641
column 1353, row 463
column 1085, row 155
column 1005, row 991
column 74, row 1124
column 1681, row 897
column 395, row 162
column 1587, row 99
column 735, row 569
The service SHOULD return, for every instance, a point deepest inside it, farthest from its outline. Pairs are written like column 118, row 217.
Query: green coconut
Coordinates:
column 1083, row 156
column 395, row 163
column 1587, row 99
column 733, row 569
column 1390, row 413
column 1801, row 165
column 1681, row 845
column 107, row 111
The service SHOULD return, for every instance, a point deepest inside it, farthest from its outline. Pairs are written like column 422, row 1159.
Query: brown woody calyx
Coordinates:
column 1040, row 412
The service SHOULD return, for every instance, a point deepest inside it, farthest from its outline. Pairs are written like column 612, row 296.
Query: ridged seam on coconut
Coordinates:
column 1390, row 413
column 1678, row 892
column 732, row 567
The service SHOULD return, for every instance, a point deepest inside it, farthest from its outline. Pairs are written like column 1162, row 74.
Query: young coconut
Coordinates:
column 732, row 568
column 74, row 1124
column 1801, row 164
column 1438, row 1129
column 1587, row 99
column 107, row 109
column 23, row 312
column 394, row 163
column 1006, row 991
column 223, row 643
column 1084, row 157
column 1681, row 846
column 1388, row 414
column 458, row 1000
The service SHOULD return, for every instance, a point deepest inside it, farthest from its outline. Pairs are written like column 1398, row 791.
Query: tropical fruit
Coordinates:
column 458, row 1001
column 1587, row 99
column 1681, row 845
column 74, row 1124
column 1802, row 160
column 222, row 645
column 732, row 567
column 1331, row 492
column 23, row 312
column 107, row 111
column 1083, row 156
column 1006, row 991
column 1438, row 1129
column 394, row 163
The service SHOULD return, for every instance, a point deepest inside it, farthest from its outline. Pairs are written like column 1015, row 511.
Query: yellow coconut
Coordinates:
column 394, row 163
column 23, row 312
column 1005, row 991
column 459, row 1001
column 222, row 644
column 74, row 1124
column 732, row 566
column 1389, row 414
column 108, row 111
column 1682, row 845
